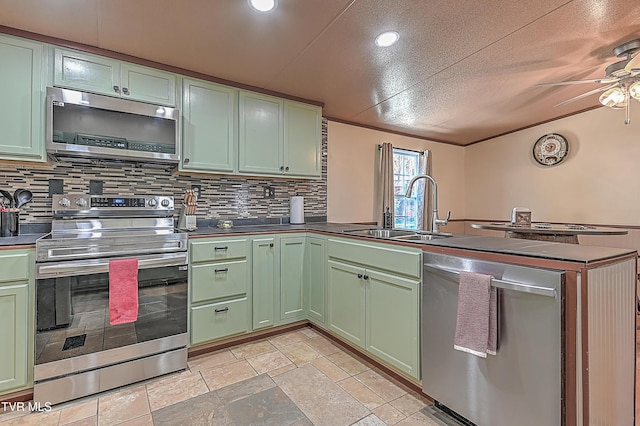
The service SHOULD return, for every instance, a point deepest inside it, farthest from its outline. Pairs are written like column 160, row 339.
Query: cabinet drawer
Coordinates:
column 401, row 260
column 15, row 265
column 217, row 249
column 217, row 320
column 217, row 280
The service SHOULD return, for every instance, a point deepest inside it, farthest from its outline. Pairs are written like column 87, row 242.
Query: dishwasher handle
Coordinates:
column 498, row 283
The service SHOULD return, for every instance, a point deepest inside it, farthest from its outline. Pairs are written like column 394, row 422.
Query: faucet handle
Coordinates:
column 443, row 222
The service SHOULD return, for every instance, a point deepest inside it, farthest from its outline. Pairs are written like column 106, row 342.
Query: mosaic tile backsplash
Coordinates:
column 223, row 197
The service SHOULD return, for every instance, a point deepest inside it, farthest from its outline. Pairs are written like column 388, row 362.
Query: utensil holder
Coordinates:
column 186, row 222
column 9, row 224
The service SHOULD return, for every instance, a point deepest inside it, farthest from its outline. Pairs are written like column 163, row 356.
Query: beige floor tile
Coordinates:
column 300, row 353
column 384, row 387
column 366, row 396
column 269, row 361
column 309, row 332
column 418, row 419
column 172, row 390
column 408, row 404
column 204, row 362
column 330, row 370
column 50, row 418
column 145, row 420
column 89, row 421
column 320, row 399
column 79, row 411
column 124, row 405
column 323, row 345
column 389, row 414
column 219, row 377
column 288, row 338
column 253, row 349
column 348, row 363
column 278, row 371
column 370, row 420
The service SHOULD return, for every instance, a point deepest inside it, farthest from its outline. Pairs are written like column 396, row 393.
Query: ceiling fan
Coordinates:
column 622, row 80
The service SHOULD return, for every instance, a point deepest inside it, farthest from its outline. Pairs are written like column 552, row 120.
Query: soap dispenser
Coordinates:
column 387, row 219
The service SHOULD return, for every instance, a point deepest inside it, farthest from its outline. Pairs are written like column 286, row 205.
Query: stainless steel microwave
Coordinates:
column 87, row 127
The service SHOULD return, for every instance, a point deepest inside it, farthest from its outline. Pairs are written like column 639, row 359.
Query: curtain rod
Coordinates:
column 405, row 149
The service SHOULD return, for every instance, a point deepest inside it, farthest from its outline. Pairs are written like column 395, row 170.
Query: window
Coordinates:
column 407, row 211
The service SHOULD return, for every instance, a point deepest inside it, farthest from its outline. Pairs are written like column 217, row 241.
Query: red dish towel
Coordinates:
column 477, row 316
column 123, row 291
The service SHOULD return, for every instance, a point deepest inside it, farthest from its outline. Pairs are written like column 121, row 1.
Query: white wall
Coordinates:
column 598, row 183
column 352, row 159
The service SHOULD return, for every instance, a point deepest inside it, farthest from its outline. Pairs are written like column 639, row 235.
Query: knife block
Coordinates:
column 186, row 222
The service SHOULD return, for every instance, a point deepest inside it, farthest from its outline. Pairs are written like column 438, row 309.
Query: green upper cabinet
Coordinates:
column 22, row 106
column 209, row 127
column 292, row 250
column 278, row 137
column 302, row 139
column 98, row 74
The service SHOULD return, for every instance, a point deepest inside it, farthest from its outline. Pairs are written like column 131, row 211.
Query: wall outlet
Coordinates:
column 269, row 192
column 197, row 189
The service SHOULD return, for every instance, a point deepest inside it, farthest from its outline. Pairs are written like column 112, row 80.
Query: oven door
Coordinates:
column 72, row 306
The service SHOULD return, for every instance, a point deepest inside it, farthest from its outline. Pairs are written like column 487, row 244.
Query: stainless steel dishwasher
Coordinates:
column 522, row 383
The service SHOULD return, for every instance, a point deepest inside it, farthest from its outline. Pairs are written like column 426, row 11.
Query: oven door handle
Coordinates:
column 97, row 266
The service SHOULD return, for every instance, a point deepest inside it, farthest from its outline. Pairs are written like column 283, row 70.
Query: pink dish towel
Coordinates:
column 123, row 291
column 477, row 316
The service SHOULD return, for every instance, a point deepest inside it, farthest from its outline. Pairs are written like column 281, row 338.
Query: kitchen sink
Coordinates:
column 423, row 236
column 381, row 233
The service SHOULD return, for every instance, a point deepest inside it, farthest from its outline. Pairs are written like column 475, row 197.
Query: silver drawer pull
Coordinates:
column 221, row 248
column 217, row 311
column 217, row 271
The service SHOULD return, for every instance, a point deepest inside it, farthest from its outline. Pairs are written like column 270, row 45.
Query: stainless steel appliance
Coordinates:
column 85, row 127
column 522, row 383
column 78, row 352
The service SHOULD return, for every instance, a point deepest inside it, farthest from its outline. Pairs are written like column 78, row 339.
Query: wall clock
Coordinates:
column 551, row 149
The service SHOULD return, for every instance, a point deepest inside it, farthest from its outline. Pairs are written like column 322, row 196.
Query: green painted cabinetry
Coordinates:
column 208, row 127
column 22, row 106
column 278, row 137
column 374, row 299
column 263, row 261
column 219, row 293
column 292, row 255
column 99, row 74
column 315, row 279
column 17, row 286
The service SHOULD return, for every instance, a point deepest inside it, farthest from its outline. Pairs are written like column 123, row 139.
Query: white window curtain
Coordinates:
column 385, row 197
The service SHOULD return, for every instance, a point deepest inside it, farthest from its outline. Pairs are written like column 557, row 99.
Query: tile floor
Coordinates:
column 297, row 378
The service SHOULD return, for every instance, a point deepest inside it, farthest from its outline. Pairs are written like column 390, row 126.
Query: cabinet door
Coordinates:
column 263, row 281
column 315, row 279
column 302, row 139
column 217, row 320
column 21, row 109
column 291, row 277
column 346, row 314
column 208, row 126
column 392, row 320
column 147, row 84
column 14, row 322
column 260, row 134
column 90, row 73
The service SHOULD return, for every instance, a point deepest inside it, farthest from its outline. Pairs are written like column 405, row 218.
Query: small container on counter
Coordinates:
column 9, row 223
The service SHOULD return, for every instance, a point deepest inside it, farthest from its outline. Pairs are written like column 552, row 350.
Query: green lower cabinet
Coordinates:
column 346, row 301
column 14, row 334
column 291, row 277
column 392, row 320
column 218, row 280
column 263, row 260
column 315, row 284
column 217, row 320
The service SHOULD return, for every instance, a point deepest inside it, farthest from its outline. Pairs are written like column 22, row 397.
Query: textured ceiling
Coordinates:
column 463, row 71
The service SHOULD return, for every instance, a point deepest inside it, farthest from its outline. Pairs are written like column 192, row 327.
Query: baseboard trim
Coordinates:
column 19, row 396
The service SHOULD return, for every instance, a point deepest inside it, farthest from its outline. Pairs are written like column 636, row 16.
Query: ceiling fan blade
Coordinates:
column 633, row 64
column 597, row 81
column 584, row 95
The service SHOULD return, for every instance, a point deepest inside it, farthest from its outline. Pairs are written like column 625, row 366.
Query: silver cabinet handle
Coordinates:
column 116, row 89
column 125, row 90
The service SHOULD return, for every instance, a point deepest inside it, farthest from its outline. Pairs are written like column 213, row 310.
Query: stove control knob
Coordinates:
column 152, row 202
column 64, row 202
column 165, row 203
column 81, row 202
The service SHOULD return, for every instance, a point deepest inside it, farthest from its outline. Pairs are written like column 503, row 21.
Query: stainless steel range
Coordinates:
column 78, row 351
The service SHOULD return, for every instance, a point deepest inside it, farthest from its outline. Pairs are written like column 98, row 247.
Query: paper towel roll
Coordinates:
column 297, row 210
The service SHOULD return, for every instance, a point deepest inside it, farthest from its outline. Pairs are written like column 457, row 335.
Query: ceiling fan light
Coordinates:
column 613, row 98
column 386, row 39
column 263, row 6
column 634, row 90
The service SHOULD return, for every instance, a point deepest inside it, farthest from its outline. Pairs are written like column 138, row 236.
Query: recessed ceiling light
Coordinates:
column 263, row 5
column 387, row 38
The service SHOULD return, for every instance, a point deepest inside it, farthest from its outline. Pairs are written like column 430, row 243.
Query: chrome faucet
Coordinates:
column 435, row 222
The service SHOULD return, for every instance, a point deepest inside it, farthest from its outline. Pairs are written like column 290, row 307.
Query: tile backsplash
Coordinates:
column 228, row 197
